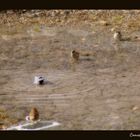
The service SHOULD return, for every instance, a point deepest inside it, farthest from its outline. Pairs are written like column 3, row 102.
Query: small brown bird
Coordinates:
column 33, row 115
column 117, row 36
column 75, row 55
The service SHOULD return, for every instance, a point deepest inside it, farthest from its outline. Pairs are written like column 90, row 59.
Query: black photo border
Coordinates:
column 69, row 4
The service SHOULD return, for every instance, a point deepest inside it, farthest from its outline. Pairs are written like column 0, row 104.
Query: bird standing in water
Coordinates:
column 33, row 115
column 75, row 55
column 117, row 36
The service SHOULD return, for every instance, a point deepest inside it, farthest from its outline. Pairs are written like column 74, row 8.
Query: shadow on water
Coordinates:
column 47, row 83
column 88, row 58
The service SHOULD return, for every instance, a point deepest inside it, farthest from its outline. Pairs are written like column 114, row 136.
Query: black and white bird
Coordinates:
column 39, row 80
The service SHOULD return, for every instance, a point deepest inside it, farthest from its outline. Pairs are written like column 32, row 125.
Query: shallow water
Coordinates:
column 93, row 94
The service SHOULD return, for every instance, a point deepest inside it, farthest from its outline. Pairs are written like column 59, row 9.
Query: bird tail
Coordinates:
column 27, row 118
